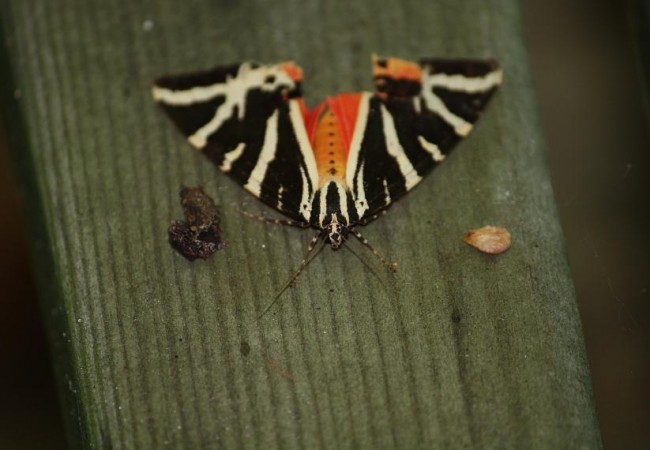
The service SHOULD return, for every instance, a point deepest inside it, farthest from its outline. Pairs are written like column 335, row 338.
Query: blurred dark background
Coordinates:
column 592, row 92
column 588, row 60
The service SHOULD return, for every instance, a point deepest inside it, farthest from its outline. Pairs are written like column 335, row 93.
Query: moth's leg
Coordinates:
column 390, row 265
column 276, row 221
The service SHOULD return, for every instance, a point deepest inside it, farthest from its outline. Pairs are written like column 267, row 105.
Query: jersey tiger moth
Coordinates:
column 339, row 165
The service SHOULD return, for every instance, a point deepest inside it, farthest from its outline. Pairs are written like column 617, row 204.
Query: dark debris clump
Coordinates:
column 199, row 236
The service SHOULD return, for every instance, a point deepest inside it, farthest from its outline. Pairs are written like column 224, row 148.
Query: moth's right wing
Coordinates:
column 248, row 119
column 419, row 112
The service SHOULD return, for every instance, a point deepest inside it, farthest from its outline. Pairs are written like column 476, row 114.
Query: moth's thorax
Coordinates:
column 333, row 204
column 329, row 148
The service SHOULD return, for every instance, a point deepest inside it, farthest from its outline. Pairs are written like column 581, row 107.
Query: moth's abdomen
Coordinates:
column 330, row 128
column 329, row 147
column 333, row 203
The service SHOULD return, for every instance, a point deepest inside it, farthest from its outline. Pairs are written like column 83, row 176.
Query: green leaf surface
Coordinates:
column 456, row 350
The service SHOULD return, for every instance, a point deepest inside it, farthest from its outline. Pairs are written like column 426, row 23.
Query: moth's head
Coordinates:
column 396, row 77
column 335, row 233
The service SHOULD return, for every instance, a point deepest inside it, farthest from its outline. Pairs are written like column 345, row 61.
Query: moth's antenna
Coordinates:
column 312, row 251
column 390, row 265
column 365, row 263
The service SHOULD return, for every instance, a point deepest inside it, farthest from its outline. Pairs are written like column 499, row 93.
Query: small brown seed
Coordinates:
column 489, row 239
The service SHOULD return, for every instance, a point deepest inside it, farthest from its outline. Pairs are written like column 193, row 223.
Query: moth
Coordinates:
column 339, row 165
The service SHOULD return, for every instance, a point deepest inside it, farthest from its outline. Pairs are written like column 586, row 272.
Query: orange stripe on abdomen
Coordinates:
column 331, row 133
column 329, row 147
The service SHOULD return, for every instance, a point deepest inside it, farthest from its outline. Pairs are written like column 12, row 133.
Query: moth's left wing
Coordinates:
column 419, row 112
column 248, row 119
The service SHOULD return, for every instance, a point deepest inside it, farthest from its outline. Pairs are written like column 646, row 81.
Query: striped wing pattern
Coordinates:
column 247, row 119
column 410, row 127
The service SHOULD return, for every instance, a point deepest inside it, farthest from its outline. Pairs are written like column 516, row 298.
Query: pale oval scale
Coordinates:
column 489, row 239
